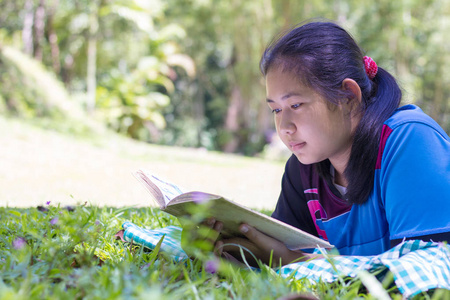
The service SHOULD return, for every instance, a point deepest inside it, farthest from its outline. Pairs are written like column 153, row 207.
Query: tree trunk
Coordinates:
column 39, row 30
column 265, row 119
column 340, row 13
column 67, row 70
column 27, row 32
column 438, row 110
column 92, row 58
column 286, row 8
column 53, row 38
column 232, row 124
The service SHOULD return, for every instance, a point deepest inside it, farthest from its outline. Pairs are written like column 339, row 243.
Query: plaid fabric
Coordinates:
column 171, row 244
column 417, row 266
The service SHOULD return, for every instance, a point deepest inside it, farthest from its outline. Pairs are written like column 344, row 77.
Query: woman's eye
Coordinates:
column 296, row 105
column 276, row 110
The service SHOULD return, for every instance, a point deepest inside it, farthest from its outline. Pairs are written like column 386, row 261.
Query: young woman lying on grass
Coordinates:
column 365, row 174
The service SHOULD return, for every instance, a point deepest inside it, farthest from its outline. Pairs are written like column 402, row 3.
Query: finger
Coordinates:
column 218, row 226
column 234, row 244
column 210, row 222
column 214, row 232
column 218, row 248
column 270, row 249
column 232, row 259
column 269, row 244
column 257, row 237
column 238, row 250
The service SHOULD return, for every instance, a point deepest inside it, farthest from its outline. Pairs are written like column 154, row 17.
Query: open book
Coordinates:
column 173, row 200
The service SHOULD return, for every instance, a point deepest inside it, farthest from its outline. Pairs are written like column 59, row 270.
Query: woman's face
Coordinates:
column 311, row 127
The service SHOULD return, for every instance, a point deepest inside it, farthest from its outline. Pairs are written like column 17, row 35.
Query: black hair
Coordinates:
column 322, row 54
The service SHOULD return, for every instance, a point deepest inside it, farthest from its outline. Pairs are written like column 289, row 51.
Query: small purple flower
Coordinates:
column 442, row 245
column 97, row 222
column 48, row 202
column 54, row 220
column 19, row 243
column 211, row 266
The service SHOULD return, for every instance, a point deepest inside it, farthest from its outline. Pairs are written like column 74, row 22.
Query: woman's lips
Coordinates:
column 296, row 146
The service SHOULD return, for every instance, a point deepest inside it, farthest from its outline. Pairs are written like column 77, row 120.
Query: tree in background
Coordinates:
column 115, row 57
column 225, row 39
column 412, row 39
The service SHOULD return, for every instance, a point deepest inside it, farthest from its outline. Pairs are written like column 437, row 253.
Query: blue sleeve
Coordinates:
column 415, row 181
column 292, row 207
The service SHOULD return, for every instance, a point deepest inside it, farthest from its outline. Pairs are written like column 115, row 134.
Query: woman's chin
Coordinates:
column 305, row 159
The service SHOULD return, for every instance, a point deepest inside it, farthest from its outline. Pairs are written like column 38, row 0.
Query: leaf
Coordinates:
column 155, row 251
column 54, row 272
column 15, row 213
column 373, row 286
column 184, row 61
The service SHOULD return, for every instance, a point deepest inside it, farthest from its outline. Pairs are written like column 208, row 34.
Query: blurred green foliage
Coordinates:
column 186, row 72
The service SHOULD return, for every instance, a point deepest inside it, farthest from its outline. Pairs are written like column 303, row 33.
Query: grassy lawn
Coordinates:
column 46, row 165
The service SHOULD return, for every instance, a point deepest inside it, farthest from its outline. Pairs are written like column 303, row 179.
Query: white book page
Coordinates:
column 168, row 189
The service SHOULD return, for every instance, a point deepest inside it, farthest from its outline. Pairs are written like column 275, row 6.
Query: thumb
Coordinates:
column 255, row 235
column 269, row 247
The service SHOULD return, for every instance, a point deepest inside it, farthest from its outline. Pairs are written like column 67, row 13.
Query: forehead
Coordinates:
column 283, row 84
column 279, row 80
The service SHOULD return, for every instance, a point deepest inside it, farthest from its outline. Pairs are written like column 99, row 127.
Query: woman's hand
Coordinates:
column 267, row 249
column 200, row 238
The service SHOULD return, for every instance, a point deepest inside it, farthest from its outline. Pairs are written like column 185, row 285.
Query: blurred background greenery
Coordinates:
column 186, row 72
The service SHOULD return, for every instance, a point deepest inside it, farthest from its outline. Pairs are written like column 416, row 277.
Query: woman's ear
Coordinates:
column 353, row 90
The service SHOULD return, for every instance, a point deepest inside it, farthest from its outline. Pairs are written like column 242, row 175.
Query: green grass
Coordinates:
column 56, row 253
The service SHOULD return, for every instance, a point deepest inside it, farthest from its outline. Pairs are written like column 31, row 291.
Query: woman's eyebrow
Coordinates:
column 286, row 96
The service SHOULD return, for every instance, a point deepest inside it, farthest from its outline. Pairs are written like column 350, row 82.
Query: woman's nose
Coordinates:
column 285, row 124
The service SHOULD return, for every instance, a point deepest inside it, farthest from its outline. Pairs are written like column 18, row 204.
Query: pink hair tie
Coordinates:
column 370, row 66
